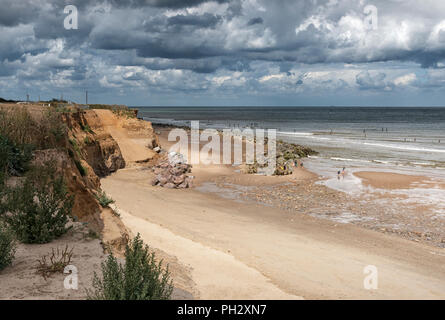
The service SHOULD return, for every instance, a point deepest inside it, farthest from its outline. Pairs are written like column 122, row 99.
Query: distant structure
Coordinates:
column 86, row 97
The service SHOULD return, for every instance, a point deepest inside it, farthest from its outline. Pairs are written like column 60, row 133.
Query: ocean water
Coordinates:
column 399, row 136
column 393, row 139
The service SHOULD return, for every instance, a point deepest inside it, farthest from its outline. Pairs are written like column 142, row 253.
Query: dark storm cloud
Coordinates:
column 14, row 12
column 124, row 42
column 253, row 21
column 203, row 21
column 161, row 3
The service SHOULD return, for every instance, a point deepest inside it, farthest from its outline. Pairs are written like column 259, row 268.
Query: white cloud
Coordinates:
column 405, row 80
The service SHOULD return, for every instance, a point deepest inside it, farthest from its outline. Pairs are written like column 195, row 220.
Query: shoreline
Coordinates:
column 369, row 202
column 250, row 218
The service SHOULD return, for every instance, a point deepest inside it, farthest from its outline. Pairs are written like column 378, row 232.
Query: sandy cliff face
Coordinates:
column 93, row 143
column 136, row 138
column 94, row 151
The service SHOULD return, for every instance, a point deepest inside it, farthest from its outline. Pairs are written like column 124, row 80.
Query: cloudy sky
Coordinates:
column 226, row 52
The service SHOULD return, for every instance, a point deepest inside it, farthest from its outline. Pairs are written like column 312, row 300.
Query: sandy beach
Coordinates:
column 239, row 236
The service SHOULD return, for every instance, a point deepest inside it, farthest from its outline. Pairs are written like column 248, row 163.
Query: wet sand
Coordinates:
column 390, row 180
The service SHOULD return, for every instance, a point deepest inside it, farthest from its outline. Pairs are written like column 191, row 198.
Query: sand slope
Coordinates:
column 234, row 249
column 133, row 148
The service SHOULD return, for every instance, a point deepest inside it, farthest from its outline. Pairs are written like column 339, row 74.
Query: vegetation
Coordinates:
column 55, row 262
column 103, row 199
column 87, row 128
column 39, row 207
column 141, row 278
column 120, row 111
column 128, row 113
column 81, row 168
column 14, row 158
column 75, row 145
column 7, row 246
column 42, row 132
column 7, row 101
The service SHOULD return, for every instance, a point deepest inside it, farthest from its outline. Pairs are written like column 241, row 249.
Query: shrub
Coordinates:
column 52, row 130
column 54, row 262
column 141, row 278
column 81, row 168
column 103, row 199
column 7, row 246
column 43, row 130
column 14, row 158
column 87, row 128
column 39, row 207
column 17, row 125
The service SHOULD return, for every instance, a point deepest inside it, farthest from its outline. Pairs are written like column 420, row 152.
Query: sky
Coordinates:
column 225, row 52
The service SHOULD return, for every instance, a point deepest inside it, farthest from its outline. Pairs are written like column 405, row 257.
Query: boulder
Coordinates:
column 171, row 172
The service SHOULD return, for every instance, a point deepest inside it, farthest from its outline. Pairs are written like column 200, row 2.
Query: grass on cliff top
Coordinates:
column 43, row 131
column 21, row 133
column 36, row 207
column 119, row 110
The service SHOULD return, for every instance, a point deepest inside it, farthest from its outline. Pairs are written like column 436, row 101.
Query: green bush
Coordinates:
column 103, row 199
column 7, row 246
column 81, row 168
column 39, row 207
column 141, row 278
column 14, row 158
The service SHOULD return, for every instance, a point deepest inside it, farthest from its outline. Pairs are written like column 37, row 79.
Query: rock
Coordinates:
column 176, row 158
column 189, row 181
column 179, row 179
column 162, row 179
column 287, row 155
column 172, row 172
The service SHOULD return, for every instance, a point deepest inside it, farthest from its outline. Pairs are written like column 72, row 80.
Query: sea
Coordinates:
column 408, row 140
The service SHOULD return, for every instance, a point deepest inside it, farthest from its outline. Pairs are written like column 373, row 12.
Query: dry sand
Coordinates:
column 298, row 255
column 133, row 148
column 238, row 250
column 21, row 280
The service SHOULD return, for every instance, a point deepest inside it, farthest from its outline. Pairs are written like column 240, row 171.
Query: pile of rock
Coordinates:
column 287, row 156
column 172, row 172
